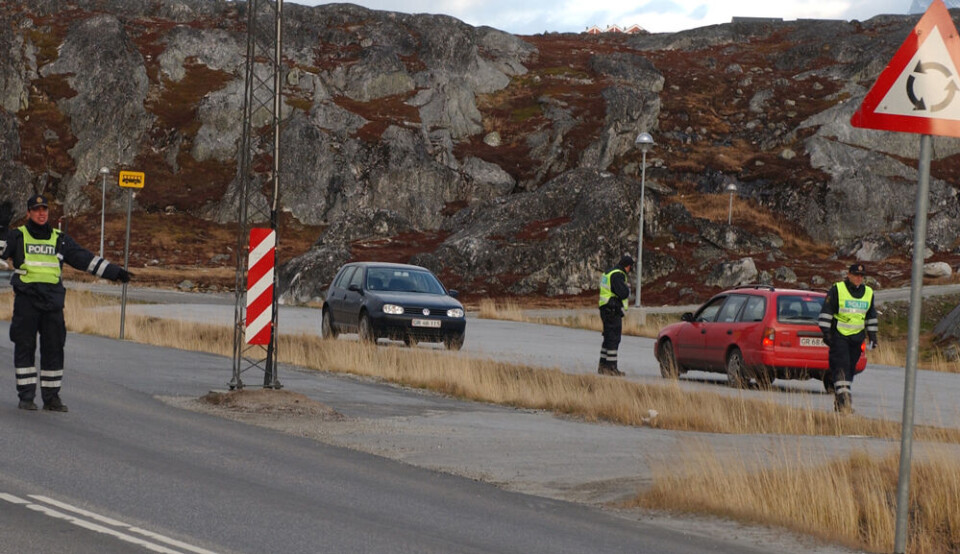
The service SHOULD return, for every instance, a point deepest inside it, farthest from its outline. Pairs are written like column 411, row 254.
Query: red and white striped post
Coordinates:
column 260, row 268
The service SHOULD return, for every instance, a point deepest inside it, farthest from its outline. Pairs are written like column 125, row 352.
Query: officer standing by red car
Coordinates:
column 38, row 252
column 614, row 299
column 848, row 317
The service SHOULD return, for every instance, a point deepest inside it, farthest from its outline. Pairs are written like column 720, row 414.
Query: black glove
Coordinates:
column 6, row 214
column 826, row 339
column 124, row 276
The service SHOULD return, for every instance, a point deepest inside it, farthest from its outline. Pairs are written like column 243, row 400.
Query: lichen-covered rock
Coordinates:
column 523, row 161
column 107, row 114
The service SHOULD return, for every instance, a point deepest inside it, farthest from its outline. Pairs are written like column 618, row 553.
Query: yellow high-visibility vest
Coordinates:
column 606, row 293
column 852, row 312
column 40, row 261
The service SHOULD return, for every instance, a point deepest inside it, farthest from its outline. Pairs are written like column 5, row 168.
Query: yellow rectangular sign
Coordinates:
column 131, row 179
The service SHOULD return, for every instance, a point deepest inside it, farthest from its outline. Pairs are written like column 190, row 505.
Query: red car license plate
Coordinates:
column 811, row 341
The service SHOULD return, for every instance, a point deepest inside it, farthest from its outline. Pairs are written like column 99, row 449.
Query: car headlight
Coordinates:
column 455, row 312
column 392, row 309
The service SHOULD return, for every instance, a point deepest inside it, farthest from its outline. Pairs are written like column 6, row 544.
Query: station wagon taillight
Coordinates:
column 768, row 335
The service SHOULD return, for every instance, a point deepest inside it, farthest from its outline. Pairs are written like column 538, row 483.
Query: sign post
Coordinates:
column 129, row 180
column 916, row 93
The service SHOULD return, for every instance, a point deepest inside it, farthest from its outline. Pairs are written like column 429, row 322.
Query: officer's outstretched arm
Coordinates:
column 84, row 260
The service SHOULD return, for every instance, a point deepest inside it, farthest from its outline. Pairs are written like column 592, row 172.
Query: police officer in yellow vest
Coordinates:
column 614, row 299
column 847, row 315
column 38, row 252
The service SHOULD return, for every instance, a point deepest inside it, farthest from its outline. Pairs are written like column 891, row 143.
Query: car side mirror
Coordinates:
column 687, row 316
column 355, row 288
column 452, row 293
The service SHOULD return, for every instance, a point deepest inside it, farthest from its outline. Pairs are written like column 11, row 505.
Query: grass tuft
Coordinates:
column 851, row 501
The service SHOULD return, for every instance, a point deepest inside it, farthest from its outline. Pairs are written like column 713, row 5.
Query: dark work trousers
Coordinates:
column 844, row 355
column 612, row 318
column 27, row 322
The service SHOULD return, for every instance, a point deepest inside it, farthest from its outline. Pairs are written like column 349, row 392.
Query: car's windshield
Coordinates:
column 403, row 280
column 799, row 308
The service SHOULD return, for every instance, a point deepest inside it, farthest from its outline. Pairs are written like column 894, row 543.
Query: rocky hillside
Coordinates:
column 507, row 164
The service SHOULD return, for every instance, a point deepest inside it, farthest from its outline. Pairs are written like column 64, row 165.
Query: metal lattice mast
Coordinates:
column 258, row 198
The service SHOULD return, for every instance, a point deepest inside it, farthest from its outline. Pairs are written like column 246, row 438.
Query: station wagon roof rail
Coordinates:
column 757, row 286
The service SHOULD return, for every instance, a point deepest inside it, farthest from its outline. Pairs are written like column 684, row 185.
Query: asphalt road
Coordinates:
column 878, row 391
column 123, row 472
column 157, row 463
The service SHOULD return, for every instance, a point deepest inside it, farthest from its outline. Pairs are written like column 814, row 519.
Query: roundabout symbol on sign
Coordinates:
column 950, row 90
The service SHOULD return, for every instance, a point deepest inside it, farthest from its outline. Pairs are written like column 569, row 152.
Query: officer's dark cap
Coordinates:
column 626, row 261
column 37, row 200
column 857, row 269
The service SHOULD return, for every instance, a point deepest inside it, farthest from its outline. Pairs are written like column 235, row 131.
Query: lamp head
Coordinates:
column 644, row 141
column 104, row 171
column 730, row 187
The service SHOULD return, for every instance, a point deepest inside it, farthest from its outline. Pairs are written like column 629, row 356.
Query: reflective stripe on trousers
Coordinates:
column 26, row 376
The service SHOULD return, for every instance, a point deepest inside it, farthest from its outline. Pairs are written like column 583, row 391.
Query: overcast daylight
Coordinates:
column 657, row 16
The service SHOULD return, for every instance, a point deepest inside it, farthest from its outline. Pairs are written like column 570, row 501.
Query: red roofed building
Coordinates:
column 632, row 30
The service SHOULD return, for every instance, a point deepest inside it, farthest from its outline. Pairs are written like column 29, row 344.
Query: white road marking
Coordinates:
column 79, row 511
column 97, row 527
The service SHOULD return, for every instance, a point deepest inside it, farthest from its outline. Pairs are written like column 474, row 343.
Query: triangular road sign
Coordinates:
column 919, row 91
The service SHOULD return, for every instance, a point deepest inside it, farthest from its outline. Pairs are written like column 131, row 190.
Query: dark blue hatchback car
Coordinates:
column 395, row 301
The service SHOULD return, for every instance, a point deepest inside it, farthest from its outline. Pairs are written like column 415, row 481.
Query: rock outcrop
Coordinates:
column 511, row 159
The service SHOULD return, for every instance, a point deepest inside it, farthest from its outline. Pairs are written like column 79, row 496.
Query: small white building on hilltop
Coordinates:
column 631, row 30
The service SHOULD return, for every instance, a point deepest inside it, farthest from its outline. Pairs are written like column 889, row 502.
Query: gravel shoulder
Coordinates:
column 528, row 451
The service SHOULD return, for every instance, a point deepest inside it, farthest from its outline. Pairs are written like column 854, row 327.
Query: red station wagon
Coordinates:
column 753, row 332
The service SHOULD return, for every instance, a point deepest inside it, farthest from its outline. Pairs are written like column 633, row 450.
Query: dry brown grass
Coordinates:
column 748, row 214
column 591, row 397
column 895, row 354
column 851, row 501
column 511, row 310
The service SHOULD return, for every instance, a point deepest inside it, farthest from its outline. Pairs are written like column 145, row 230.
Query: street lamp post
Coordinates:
column 644, row 143
column 103, row 203
column 731, row 188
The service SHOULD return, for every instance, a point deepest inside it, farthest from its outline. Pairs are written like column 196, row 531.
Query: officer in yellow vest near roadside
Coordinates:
column 38, row 252
column 614, row 300
column 847, row 317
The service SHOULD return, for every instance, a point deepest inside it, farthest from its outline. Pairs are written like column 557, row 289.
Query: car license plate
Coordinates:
column 811, row 341
column 426, row 323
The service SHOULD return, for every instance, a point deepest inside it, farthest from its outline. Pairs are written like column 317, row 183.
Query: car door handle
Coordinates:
column 729, row 331
column 703, row 331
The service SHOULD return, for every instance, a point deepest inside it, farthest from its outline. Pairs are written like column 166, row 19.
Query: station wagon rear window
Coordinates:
column 799, row 309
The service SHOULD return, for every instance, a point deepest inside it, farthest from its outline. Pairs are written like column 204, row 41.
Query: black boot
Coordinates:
column 54, row 405
column 605, row 368
column 27, row 405
column 843, row 403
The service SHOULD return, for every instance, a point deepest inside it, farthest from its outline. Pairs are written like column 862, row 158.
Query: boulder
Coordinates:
column 215, row 48
column 731, row 274
column 785, row 274
column 947, row 329
column 935, row 270
column 490, row 180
